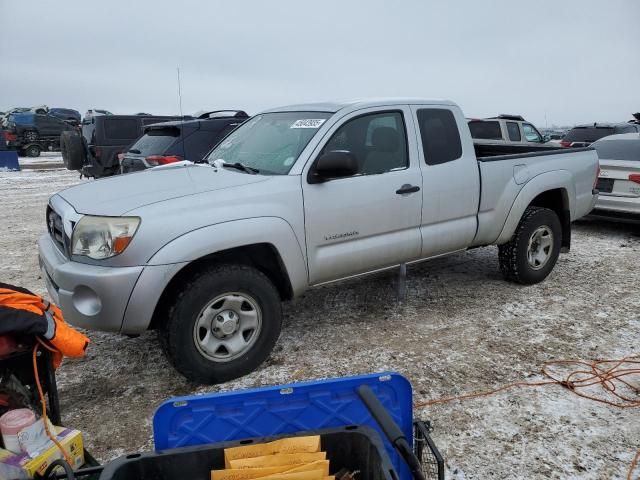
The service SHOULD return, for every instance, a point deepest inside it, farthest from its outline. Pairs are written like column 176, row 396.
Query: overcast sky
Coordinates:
column 569, row 61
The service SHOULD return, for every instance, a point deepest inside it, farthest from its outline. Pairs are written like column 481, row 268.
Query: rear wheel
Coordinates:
column 223, row 324
column 533, row 250
column 32, row 151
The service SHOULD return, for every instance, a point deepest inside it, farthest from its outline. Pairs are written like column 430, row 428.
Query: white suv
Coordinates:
column 504, row 129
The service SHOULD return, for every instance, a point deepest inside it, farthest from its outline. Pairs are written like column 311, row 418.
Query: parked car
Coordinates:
column 585, row 135
column 511, row 130
column 104, row 137
column 67, row 114
column 293, row 198
column 168, row 142
column 5, row 115
column 619, row 177
column 31, row 133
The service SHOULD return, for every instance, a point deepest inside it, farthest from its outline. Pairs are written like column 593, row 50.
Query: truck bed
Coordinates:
column 485, row 150
column 505, row 177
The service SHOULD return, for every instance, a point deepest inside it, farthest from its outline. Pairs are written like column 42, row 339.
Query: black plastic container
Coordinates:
column 353, row 448
column 427, row 452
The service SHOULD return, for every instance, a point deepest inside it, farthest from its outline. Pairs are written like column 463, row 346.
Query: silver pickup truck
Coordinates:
column 296, row 197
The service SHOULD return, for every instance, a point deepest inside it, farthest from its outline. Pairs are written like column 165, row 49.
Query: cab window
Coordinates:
column 378, row 141
column 514, row 131
column 440, row 136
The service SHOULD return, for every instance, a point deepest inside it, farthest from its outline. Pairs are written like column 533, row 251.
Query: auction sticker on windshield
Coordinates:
column 308, row 123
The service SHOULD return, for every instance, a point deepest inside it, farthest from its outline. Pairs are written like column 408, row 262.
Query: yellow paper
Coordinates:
column 277, row 460
column 312, row 475
column 306, row 444
column 250, row 473
column 322, row 465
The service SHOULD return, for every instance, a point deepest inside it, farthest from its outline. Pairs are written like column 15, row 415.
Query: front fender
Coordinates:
column 557, row 179
column 238, row 233
column 177, row 254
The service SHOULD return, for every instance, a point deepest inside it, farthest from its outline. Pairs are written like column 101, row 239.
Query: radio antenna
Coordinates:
column 179, row 92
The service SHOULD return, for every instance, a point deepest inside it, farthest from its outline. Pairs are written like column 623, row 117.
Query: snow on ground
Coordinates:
column 45, row 160
column 461, row 329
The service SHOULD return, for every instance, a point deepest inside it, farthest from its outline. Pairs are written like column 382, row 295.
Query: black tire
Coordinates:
column 514, row 255
column 32, row 151
column 179, row 331
column 30, row 135
column 72, row 150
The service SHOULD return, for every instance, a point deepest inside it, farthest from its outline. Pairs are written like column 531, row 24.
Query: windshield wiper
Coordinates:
column 134, row 150
column 242, row 167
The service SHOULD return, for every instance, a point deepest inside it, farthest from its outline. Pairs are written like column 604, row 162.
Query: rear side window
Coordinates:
column 121, row 128
column 618, row 150
column 485, row 130
column 588, row 134
column 155, row 142
column 200, row 142
column 440, row 135
column 514, row 131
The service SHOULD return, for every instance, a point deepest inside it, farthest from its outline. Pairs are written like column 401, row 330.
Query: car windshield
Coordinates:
column 271, row 142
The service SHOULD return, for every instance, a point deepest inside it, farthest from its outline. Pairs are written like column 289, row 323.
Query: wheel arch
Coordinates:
column 261, row 256
column 552, row 190
column 269, row 245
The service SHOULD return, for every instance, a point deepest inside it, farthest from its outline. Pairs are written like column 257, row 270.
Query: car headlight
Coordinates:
column 103, row 237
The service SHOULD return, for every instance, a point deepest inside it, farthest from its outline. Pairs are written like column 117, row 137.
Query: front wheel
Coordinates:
column 533, row 250
column 223, row 324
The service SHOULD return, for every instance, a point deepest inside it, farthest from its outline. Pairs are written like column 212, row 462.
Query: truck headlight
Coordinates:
column 103, row 237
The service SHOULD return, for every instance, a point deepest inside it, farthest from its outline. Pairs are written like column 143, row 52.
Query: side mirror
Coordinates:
column 334, row 164
column 546, row 138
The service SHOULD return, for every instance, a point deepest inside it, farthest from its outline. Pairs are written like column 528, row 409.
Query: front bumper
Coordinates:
column 90, row 296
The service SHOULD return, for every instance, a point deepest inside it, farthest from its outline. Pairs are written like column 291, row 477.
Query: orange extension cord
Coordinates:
column 43, row 402
column 608, row 374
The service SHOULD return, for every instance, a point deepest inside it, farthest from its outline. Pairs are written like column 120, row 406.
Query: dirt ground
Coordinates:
column 461, row 329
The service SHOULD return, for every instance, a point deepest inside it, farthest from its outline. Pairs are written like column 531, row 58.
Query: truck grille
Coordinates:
column 55, row 228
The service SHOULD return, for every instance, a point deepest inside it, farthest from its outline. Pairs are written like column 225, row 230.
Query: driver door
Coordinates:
column 370, row 220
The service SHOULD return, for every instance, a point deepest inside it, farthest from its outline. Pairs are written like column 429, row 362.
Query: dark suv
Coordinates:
column 585, row 135
column 170, row 142
column 105, row 136
column 30, row 133
column 66, row 114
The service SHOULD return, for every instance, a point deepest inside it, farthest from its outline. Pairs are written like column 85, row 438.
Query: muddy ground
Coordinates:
column 461, row 329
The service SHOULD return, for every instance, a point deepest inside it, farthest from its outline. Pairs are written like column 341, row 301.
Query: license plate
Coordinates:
column 605, row 185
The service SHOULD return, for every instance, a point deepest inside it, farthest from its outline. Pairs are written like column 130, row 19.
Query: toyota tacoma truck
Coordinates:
column 297, row 197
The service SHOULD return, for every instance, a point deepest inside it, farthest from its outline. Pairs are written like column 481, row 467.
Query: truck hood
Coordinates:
column 118, row 195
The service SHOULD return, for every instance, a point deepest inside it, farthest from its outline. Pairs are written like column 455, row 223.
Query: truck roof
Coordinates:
column 332, row 107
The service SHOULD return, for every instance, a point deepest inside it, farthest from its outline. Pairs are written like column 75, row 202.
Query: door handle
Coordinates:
column 406, row 188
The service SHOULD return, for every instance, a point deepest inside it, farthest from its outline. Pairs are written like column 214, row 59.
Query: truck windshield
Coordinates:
column 271, row 142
